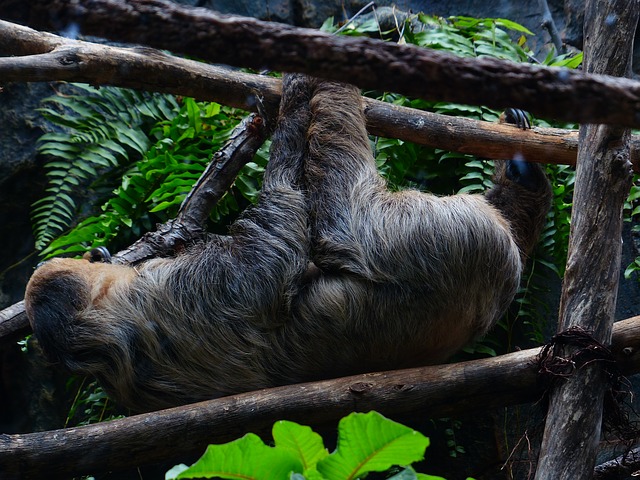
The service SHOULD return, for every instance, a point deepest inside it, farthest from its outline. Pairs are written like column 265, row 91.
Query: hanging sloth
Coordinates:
column 329, row 274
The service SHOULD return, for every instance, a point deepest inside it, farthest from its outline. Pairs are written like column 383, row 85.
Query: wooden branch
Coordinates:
column 620, row 467
column 465, row 135
column 13, row 321
column 590, row 287
column 173, row 434
column 33, row 56
column 547, row 92
column 243, row 144
column 550, row 26
column 217, row 178
column 57, row 58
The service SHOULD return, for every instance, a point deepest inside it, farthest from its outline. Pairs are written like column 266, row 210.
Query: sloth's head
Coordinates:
column 57, row 297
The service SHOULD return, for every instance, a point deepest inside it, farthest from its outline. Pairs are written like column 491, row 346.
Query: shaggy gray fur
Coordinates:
column 330, row 274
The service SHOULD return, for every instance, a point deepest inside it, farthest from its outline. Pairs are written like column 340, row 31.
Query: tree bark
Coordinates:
column 619, row 468
column 46, row 57
column 170, row 435
column 13, row 321
column 368, row 63
column 550, row 26
column 603, row 179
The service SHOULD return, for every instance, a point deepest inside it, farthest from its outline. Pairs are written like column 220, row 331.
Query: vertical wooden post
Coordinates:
column 603, row 179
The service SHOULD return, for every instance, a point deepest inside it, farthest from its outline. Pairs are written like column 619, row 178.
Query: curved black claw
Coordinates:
column 516, row 117
column 98, row 255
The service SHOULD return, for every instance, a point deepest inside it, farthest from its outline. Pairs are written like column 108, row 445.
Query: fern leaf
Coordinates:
column 98, row 130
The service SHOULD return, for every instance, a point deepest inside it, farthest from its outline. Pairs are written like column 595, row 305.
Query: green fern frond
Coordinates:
column 152, row 188
column 101, row 129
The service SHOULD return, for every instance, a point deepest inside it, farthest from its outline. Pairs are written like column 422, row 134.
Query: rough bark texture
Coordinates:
column 171, row 435
column 32, row 56
column 13, row 320
column 550, row 26
column 368, row 63
column 46, row 57
column 621, row 467
column 603, row 178
column 245, row 141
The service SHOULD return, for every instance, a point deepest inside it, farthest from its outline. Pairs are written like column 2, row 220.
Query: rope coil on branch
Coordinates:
column 586, row 350
column 575, row 348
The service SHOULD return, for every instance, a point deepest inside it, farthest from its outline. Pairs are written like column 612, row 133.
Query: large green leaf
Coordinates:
column 371, row 443
column 246, row 458
column 302, row 441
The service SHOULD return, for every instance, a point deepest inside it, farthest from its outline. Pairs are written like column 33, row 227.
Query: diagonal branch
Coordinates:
column 549, row 24
column 216, row 179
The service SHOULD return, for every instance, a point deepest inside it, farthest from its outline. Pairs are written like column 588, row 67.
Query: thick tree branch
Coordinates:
column 620, row 467
column 31, row 56
column 172, row 434
column 590, row 287
column 222, row 170
column 56, row 58
column 368, row 63
column 13, row 321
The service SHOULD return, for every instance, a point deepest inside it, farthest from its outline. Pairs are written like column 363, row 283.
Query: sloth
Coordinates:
column 329, row 274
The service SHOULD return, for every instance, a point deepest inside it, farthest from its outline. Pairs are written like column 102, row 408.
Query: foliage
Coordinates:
column 103, row 129
column 632, row 210
column 90, row 404
column 455, row 449
column 153, row 187
column 366, row 443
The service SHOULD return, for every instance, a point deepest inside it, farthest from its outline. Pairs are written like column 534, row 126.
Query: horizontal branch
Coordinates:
column 13, row 321
column 369, row 63
column 32, row 56
column 173, row 434
column 48, row 57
